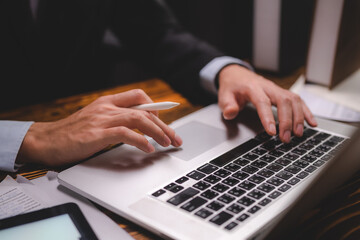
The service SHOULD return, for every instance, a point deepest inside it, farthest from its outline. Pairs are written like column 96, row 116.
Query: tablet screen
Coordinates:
column 59, row 227
column 60, row 222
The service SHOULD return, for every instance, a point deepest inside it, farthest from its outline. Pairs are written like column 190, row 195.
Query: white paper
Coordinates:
column 347, row 93
column 47, row 191
column 323, row 107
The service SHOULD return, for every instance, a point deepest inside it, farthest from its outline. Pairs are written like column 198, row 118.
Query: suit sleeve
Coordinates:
column 12, row 134
column 151, row 35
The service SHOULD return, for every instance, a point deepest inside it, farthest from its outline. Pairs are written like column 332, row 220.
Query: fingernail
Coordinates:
column 272, row 128
column 299, row 129
column 167, row 141
column 287, row 136
column 150, row 148
column 178, row 140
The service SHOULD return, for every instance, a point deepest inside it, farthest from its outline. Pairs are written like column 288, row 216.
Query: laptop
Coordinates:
column 229, row 180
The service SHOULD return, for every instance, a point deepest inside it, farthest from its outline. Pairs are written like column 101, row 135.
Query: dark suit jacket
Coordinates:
column 62, row 51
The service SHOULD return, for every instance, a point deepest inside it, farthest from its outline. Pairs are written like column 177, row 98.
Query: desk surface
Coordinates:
column 338, row 217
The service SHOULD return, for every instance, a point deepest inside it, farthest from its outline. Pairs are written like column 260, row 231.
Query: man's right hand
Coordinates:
column 107, row 120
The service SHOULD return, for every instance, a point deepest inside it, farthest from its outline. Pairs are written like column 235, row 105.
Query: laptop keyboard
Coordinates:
column 231, row 188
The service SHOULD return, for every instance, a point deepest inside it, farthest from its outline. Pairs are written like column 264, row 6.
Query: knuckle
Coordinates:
column 139, row 93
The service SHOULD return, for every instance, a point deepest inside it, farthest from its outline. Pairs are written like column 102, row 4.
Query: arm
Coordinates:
column 108, row 120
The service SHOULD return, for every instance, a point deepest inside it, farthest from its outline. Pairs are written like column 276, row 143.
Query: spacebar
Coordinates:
column 235, row 152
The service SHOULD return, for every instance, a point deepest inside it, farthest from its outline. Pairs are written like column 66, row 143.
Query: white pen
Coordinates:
column 156, row 106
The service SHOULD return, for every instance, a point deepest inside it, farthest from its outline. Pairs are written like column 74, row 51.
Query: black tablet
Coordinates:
column 64, row 221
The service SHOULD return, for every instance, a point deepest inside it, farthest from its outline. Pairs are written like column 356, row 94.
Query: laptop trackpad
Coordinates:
column 197, row 139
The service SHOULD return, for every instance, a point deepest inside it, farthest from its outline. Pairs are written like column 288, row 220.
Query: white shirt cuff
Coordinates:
column 210, row 71
column 12, row 134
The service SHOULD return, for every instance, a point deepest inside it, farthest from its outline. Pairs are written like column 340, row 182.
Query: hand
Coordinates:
column 107, row 120
column 238, row 85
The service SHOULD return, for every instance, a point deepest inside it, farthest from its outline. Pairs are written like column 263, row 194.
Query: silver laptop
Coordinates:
column 229, row 180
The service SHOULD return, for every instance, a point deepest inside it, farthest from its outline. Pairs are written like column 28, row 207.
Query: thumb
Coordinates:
column 228, row 104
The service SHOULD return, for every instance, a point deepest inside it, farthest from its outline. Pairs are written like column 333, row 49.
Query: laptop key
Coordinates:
column 212, row 179
column 291, row 156
column 226, row 198
column 232, row 167
column 299, row 151
column 231, row 226
column 203, row 213
column 193, row 204
column 266, row 173
column 259, row 164
column 274, row 167
column 246, row 185
column 306, row 146
column 284, row 175
column 256, row 194
column 316, row 153
column 254, row 209
column 284, row 188
column 256, row 179
column 221, row 218
column 283, row 161
column 250, row 156
column 236, row 191
column 275, row 181
column 259, row 151
column 310, row 169
column 220, row 187
column 250, row 169
column 302, row 175
column 301, row 163
column 230, row 181
column 275, row 194
column 209, row 194
column 222, row 173
column 235, row 208
column 241, row 162
column 318, row 163
column 215, row 205
column 201, row 185
column 195, row 175
column 323, row 148
column 336, row 139
column 158, row 193
column 243, row 217
column 309, row 158
column 207, row 168
column 266, row 187
column 268, row 158
column 183, row 196
column 182, row 180
column 322, row 136
column 240, row 175
column 246, row 201
column 293, row 181
column 276, row 153
column 293, row 169
column 176, row 188
column 264, row 202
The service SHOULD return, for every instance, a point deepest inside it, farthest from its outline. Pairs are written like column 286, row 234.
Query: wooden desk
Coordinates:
column 338, row 216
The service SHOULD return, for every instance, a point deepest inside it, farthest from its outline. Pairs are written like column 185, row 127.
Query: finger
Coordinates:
column 130, row 98
column 285, row 115
column 175, row 139
column 263, row 107
column 127, row 136
column 143, row 121
column 309, row 117
column 228, row 104
column 298, row 116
